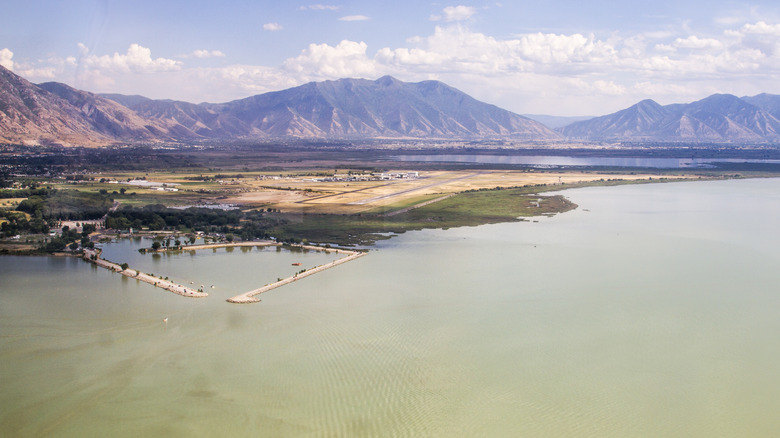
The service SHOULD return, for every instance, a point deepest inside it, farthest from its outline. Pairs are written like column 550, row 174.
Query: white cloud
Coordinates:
column 762, row 28
column 272, row 27
column 354, row 18
column 455, row 13
column 692, row 42
column 5, row 58
column 202, row 54
column 138, row 59
column 322, row 61
column 531, row 72
column 319, row 7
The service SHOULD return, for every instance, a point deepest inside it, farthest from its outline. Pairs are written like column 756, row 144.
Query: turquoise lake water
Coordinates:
column 650, row 311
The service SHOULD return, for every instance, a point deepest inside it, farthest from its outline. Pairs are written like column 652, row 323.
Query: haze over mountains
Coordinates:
column 54, row 113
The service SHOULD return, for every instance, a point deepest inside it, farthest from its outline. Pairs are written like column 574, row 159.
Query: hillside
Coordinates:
column 345, row 108
column 717, row 118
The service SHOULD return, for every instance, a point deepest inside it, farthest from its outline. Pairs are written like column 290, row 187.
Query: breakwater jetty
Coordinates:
column 249, row 297
column 94, row 257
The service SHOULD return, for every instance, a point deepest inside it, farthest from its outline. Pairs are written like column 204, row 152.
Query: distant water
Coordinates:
column 651, row 311
column 545, row 161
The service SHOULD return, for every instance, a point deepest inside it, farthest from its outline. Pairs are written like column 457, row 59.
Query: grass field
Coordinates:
column 465, row 209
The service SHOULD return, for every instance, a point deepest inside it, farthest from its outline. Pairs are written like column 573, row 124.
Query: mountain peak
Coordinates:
column 648, row 103
column 387, row 81
column 344, row 108
column 719, row 117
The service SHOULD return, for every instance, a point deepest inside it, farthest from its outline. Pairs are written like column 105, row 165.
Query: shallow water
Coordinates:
column 649, row 311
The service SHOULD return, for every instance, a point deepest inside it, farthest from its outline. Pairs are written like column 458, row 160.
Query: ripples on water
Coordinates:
column 651, row 314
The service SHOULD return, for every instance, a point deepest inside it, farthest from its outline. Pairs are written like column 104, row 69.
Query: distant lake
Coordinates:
column 650, row 311
column 543, row 161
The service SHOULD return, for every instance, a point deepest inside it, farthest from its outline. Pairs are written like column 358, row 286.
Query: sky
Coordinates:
column 564, row 58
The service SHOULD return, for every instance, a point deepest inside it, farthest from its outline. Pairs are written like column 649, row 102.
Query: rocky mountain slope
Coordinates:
column 717, row 118
column 346, row 108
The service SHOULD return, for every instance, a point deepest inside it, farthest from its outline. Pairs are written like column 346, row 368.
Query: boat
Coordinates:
column 296, row 264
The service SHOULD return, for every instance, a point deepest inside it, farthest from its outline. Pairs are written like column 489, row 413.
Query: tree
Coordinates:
column 124, row 266
column 156, row 245
column 88, row 229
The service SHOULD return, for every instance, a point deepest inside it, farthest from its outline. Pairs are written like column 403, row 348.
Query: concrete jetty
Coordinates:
column 249, row 297
column 93, row 256
column 138, row 275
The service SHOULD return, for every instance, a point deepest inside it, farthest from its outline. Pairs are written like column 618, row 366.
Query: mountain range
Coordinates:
column 55, row 113
column 717, row 118
column 347, row 108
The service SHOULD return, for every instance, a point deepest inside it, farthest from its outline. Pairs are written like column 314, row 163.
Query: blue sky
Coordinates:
column 541, row 56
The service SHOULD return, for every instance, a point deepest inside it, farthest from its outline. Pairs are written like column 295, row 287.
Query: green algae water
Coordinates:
column 650, row 311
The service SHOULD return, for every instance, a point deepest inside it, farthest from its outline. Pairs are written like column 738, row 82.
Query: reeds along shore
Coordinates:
column 247, row 297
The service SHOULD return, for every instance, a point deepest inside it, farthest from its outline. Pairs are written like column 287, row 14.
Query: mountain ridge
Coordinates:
column 343, row 109
column 55, row 113
column 716, row 118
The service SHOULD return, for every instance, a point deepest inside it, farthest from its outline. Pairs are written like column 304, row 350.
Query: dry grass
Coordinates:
column 10, row 202
column 358, row 197
column 292, row 192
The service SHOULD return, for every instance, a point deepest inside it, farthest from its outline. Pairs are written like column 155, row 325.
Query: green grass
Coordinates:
column 409, row 202
column 465, row 209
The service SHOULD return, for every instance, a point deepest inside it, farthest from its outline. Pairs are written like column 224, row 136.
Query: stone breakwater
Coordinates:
column 93, row 256
column 138, row 275
column 249, row 297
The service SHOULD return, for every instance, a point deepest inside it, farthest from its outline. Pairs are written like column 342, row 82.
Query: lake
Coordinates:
column 650, row 311
column 547, row 161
